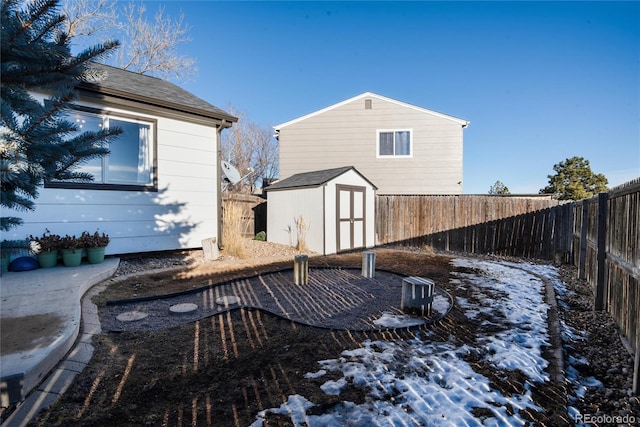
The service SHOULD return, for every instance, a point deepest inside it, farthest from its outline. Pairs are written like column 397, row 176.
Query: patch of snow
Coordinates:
column 441, row 304
column 580, row 383
column 519, row 297
column 570, row 333
column 390, row 320
column 318, row 374
column 421, row 382
column 333, row 388
column 470, row 311
column 295, row 407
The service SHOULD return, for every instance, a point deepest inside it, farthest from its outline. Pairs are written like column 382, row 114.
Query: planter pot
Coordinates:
column 48, row 259
column 71, row 257
column 95, row 255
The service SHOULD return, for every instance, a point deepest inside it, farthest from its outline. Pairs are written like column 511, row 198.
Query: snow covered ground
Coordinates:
column 421, row 382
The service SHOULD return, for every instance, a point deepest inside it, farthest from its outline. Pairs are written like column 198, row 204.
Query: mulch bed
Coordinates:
column 334, row 298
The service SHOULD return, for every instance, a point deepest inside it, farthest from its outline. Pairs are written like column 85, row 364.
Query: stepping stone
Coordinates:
column 183, row 308
column 131, row 316
column 228, row 300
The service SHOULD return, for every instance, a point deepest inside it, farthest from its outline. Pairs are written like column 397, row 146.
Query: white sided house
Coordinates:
column 404, row 149
column 159, row 188
column 337, row 207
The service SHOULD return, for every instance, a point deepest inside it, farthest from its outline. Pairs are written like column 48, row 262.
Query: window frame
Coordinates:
column 151, row 187
column 394, row 156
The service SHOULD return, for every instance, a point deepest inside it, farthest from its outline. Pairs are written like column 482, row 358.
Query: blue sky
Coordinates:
column 539, row 81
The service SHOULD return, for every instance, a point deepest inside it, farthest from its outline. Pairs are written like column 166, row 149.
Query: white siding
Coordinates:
column 178, row 216
column 347, row 136
column 285, row 205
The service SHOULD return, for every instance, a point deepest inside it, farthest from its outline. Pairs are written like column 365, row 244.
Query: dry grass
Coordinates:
column 302, row 226
column 233, row 228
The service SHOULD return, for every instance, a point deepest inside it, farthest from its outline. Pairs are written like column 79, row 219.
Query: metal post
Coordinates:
column 369, row 264
column 301, row 269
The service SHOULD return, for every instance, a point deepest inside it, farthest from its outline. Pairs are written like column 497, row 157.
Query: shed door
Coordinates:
column 350, row 210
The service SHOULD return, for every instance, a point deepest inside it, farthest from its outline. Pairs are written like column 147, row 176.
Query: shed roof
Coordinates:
column 313, row 179
column 152, row 91
column 462, row 122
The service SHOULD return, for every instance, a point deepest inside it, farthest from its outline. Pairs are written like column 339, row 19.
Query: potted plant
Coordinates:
column 46, row 248
column 71, row 251
column 94, row 244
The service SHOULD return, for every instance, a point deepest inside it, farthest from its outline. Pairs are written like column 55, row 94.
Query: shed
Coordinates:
column 337, row 207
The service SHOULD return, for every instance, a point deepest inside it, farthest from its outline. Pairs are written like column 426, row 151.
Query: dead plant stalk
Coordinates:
column 302, row 226
column 233, row 229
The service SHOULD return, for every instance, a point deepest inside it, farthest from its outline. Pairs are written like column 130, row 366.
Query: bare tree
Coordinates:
column 151, row 48
column 252, row 149
column 147, row 47
column 87, row 18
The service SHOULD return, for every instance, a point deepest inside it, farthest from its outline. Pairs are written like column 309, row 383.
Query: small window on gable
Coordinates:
column 395, row 143
column 367, row 104
column 130, row 165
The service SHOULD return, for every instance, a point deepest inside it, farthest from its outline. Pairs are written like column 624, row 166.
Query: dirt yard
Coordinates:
column 224, row 369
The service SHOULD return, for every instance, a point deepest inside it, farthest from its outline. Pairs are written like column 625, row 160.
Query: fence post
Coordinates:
column 582, row 254
column 636, row 362
column 600, row 296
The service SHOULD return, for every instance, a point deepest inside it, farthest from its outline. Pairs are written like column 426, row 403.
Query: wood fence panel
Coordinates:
column 606, row 238
column 601, row 236
column 474, row 224
column 254, row 218
column 622, row 271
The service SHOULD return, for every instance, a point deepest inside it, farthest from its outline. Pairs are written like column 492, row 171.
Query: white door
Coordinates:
column 350, row 223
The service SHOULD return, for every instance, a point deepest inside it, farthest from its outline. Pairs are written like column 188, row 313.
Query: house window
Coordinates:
column 131, row 162
column 394, row 143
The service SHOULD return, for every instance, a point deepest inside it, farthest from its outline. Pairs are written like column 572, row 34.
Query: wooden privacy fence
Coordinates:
column 601, row 236
column 254, row 212
column 535, row 227
column 606, row 241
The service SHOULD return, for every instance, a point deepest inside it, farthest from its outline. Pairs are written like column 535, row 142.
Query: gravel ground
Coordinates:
column 599, row 353
column 254, row 249
column 596, row 351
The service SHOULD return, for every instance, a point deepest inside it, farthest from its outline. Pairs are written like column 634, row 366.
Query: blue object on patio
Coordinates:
column 24, row 263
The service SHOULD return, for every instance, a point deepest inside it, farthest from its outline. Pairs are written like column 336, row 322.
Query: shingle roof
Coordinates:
column 312, row 179
column 152, row 91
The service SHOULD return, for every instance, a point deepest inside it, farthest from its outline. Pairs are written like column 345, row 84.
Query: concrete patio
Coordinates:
column 42, row 349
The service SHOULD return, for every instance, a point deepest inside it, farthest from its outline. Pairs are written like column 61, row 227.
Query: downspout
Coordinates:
column 222, row 126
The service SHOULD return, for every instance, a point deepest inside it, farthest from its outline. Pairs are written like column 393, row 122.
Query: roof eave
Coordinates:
column 101, row 90
column 294, row 187
column 462, row 122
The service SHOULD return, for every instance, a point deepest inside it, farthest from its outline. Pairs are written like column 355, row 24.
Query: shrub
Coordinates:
column 262, row 236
